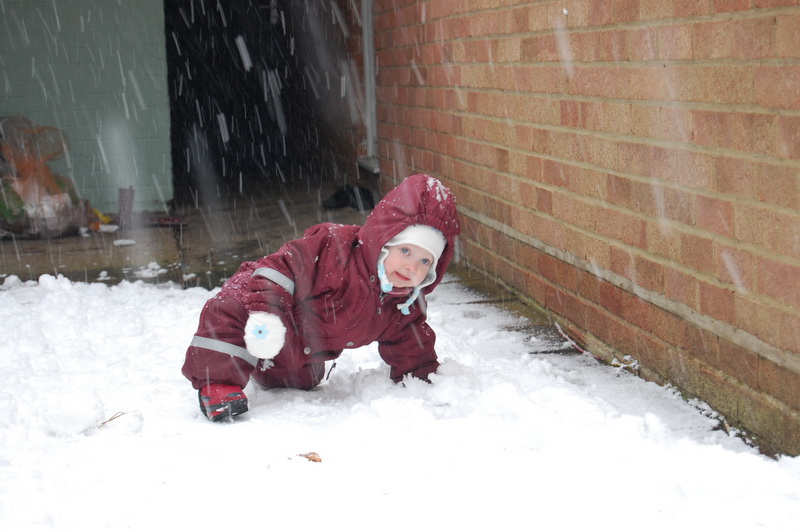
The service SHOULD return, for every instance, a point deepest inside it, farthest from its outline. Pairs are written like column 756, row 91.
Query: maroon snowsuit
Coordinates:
column 325, row 288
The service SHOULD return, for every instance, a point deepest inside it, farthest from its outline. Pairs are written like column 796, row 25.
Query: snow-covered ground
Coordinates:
column 100, row 431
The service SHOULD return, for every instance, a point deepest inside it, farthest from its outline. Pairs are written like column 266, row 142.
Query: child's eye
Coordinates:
column 405, row 251
column 426, row 262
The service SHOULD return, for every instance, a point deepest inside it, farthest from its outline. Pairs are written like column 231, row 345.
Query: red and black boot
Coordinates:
column 222, row 401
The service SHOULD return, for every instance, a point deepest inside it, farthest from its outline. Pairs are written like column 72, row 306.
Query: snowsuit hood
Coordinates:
column 419, row 199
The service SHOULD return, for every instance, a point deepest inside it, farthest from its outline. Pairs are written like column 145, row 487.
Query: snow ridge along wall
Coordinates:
column 632, row 166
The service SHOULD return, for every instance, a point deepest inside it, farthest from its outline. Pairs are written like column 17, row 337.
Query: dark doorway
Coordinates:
column 263, row 96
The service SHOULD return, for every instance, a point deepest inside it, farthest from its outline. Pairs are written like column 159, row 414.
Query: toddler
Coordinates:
column 278, row 319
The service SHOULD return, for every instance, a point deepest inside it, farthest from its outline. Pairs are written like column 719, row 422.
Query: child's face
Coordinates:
column 407, row 265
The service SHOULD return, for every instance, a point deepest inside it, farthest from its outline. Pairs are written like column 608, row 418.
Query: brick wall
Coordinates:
column 633, row 166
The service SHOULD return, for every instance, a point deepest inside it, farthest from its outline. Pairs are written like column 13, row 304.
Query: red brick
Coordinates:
column 749, row 132
column 774, row 184
column 674, row 42
column 597, row 322
column 681, row 288
column 653, row 354
column 716, row 302
column 622, row 262
column 788, row 331
column 712, row 40
column 635, row 310
column 738, row 362
column 772, row 325
column 714, row 215
column 611, row 298
column 619, row 190
column 664, row 240
column 670, row 327
column 774, row 231
column 544, row 200
column 724, row 6
column 697, row 253
column 635, row 158
column 736, row 267
column 756, row 38
column 571, row 115
column 780, row 281
column 624, row 227
column 601, row 13
column 774, row 3
column 553, row 173
column 691, row 169
column 730, row 84
column 692, row 8
column 642, row 45
column 546, row 267
column 610, row 117
column 608, row 46
column 739, row 39
column 703, row 344
column 622, row 336
column 567, row 275
column 779, row 382
column 674, row 204
column 777, row 87
column 788, row 142
column 625, row 11
column 647, row 199
column 586, row 182
column 787, row 38
column 649, row 275
column 538, row 48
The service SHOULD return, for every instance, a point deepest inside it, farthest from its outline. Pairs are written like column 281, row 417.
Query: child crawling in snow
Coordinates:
column 278, row 319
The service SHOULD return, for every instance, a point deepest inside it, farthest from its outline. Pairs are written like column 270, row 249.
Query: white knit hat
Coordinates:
column 424, row 236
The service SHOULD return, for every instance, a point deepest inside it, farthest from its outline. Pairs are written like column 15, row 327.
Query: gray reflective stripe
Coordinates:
column 276, row 277
column 224, row 347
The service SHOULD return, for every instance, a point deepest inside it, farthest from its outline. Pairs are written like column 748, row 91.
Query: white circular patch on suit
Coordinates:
column 264, row 334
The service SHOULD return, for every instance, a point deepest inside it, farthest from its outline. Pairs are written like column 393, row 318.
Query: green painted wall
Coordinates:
column 97, row 70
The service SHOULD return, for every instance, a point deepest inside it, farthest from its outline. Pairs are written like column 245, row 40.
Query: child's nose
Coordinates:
column 411, row 266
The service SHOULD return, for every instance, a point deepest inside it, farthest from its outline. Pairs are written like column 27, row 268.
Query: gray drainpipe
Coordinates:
column 370, row 162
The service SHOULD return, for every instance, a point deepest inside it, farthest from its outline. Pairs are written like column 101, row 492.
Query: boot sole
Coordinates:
column 223, row 411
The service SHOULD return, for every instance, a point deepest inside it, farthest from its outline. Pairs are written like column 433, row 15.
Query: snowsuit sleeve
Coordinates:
column 297, row 262
column 409, row 349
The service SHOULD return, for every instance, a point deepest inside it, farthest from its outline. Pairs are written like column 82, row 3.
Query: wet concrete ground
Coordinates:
column 190, row 246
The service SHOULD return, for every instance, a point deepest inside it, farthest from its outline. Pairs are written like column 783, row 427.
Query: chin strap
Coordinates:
column 403, row 307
